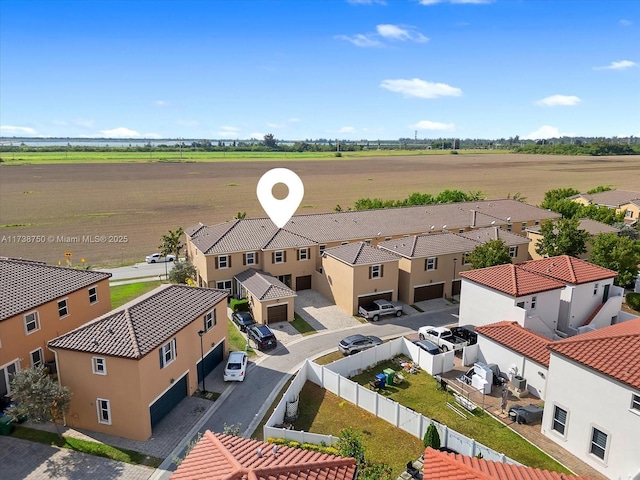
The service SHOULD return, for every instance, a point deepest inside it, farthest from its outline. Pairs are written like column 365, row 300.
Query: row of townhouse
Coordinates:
column 127, row 367
column 622, row 201
column 410, row 254
column 556, row 322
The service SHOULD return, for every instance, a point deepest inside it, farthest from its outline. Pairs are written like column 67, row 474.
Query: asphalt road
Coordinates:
column 139, row 270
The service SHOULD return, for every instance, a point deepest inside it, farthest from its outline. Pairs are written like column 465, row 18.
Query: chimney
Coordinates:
column 473, row 218
column 496, row 235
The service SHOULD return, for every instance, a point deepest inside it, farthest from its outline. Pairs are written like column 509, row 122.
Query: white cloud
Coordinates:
column 559, row 100
column 547, row 131
column 161, row 103
column 476, row 2
column 120, row 132
column 395, row 32
column 360, row 40
column 12, row 131
column 421, row 88
column 346, row 130
column 625, row 23
column 228, row 131
column 621, row 65
column 429, row 125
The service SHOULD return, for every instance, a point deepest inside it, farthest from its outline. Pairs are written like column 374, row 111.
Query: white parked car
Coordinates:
column 158, row 258
column 236, row 367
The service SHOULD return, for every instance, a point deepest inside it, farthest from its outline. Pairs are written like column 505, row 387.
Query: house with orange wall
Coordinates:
column 38, row 303
column 128, row 368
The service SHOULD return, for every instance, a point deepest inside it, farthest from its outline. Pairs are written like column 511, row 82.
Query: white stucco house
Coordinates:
column 592, row 406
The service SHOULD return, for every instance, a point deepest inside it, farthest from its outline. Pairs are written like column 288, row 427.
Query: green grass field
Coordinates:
column 121, row 294
column 47, row 158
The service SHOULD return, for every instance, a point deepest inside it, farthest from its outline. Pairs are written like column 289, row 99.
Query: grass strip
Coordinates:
column 85, row 446
column 301, row 325
column 121, row 294
column 237, row 341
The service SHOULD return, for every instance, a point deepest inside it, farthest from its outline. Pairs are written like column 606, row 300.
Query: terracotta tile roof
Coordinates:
column 512, row 280
column 519, row 339
column 264, row 286
column 568, row 269
column 429, row 245
column 254, row 234
column 451, row 466
column 224, row 457
column 137, row 328
column 613, row 351
column 612, row 198
column 27, row 284
column 484, row 235
column 359, row 253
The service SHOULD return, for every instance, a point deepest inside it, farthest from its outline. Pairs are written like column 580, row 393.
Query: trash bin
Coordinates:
column 382, row 379
column 5, row 425
column 389, row 373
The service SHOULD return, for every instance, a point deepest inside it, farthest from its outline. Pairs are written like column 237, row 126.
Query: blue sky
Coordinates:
column 309, row 69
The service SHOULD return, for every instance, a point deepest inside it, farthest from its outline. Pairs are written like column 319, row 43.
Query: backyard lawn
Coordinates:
column 121, row 294
column 323, row 412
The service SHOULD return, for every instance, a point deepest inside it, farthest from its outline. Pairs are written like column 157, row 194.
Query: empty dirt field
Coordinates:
column 126, row 207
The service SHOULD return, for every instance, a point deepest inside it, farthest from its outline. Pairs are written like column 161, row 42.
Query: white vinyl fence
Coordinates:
column 333, row 378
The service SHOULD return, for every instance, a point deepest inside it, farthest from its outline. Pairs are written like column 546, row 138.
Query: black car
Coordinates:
column 428, row 346
column 262, row 336
column 243, row 319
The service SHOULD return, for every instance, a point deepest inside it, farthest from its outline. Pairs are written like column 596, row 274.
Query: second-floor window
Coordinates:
column 209, row 320
column 279, row 256
column 63, row 309
column 321, row 249
column 513, row 251
column 250, row 258
column 303, row 254
column 595, row 288
column 223, row 261
column 628, row 214
column 559, row 420
column 375, row 271
column 168, row 353
column 36, row 358
column 31, row 322
column 465, row 258
column 93, row 294
column 534, row 301
column 635, row 402
column 99, row 365
column 431, row 263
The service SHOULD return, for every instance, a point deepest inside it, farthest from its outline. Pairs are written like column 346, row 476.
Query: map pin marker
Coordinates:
column 280, row 211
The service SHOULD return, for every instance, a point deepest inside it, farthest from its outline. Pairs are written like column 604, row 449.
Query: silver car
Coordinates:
column 357, row 343
column 158, row 258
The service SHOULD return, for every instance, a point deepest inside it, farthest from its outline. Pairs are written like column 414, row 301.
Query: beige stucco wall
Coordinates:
column 339, row 277
column 16, row 344
column 634, row 209
column 132, row 385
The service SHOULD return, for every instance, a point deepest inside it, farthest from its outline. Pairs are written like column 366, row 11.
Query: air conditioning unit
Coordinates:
column 519, row 383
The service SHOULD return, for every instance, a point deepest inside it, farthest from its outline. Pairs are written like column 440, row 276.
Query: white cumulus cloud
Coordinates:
column 429, row 125
column 12, row 131
column 161, row 103
column 346, row 130
column 398, row 33
column 559, row 100
column 360, row 40
column 621, row 65
column 547, row 131
column 120, row 132
column 625, row 23
column 421, row 88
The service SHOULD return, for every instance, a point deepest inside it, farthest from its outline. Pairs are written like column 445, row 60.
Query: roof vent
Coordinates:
column 95, row 341
column 110, row 330
column 275, row 450
column 259, row 452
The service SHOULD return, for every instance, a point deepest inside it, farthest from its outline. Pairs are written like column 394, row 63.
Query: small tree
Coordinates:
column 350, row 445
column 563, row 237
column 621, row 254
column 431, row 437
column 182, row 272
column 170, row 243
column 489, row 254
column 36, row 396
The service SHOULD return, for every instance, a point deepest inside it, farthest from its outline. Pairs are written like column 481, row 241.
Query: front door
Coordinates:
column 605, row 297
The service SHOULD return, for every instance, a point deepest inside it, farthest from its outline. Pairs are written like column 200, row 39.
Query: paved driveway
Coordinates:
column 321, row 314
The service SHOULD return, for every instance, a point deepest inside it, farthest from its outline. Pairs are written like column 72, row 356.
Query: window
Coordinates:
column 344, row 243
column 104, row 411
column 279, row 256
column 598, row 443
column 168, row 353
column 303, row 254
column 386, row 239
column 93, row 294
column 6, row 375
column 63, row 309
column 321, row 249
column 534, row 300
column 210, row 320
column 431, row 263
column 286, row 279
column 461, row 230
column 559, row 420
column 31, row 322
column 628, row 214
column 223, row 261
column 375, row 271
column 635, row 402
column 250, row 258
column 99, row 365
column 537, row 223
column 368, row 241
column 36, row 357
column 224, row 285
column 465, row 258
column 524, row 225
column 595, row 288
column 508, row 227
column 520, row 304
column 513, row 251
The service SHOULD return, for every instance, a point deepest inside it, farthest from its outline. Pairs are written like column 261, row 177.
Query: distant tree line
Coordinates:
column 416, row 198
column 579, row 148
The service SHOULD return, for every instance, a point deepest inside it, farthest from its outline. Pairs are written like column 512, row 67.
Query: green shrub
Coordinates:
column 241, row 305
column 304, row 446
column 633, row 300
column 338, row 154
column 431, row 437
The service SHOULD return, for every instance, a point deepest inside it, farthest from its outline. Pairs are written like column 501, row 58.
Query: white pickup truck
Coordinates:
column 379, row 308
column 443, row 337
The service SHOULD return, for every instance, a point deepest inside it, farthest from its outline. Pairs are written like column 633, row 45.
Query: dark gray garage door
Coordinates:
column 165, row 403
column 303, row 283
column 428, row 292
column 211, row 361
column 376, row 296
column 277, row 313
